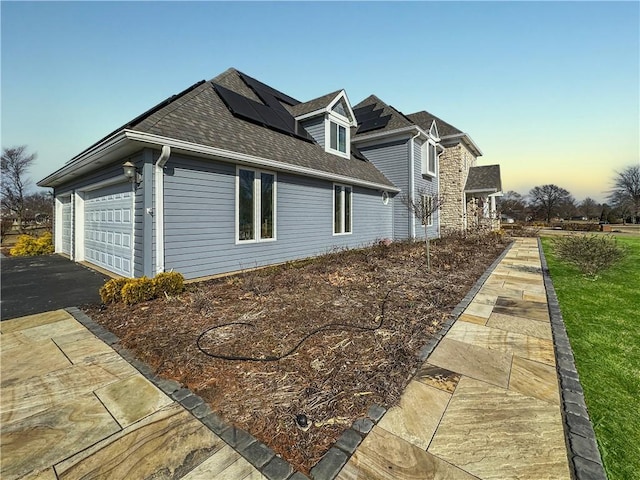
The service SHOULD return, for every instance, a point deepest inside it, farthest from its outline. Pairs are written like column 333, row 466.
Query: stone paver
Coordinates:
column 498, row 412
column 484, row 405
column 71, row 407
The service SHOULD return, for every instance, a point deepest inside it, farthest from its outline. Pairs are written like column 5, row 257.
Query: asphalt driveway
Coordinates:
column 49, row 282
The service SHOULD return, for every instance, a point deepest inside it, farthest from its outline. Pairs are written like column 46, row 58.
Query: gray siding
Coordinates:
column 428, row 185
column 200, row 237
column 392, row 159
column 315, row 128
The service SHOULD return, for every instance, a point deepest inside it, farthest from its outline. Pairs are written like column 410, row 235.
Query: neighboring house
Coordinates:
column 468, row 195
column 232, row 174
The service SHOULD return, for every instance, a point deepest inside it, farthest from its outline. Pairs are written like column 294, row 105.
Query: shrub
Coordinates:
column 111, row 292
column 168, row 283
column 138, row 290
column 28, row 245
column 590, row 253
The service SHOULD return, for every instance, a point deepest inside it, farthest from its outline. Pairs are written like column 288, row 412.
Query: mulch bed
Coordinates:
column 349, row 326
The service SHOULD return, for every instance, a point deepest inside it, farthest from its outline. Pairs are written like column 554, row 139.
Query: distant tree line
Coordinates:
column 551, row 202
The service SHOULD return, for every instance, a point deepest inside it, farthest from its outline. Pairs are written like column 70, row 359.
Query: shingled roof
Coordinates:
column 484, row 179
column 198, row 115
column 397, row 119
column 313, row 105
column 424, row 120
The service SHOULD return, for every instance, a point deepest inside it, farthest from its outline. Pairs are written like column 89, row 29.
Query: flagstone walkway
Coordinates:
column 485, row 404
column 71, row 407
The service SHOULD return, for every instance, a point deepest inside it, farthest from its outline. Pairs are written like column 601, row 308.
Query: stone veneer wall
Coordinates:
column 455, row 163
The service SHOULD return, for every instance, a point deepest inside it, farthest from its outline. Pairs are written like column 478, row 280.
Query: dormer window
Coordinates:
column 338, row 137
column 328, row 120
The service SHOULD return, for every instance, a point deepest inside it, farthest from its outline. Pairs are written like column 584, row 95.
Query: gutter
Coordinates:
column 388, row 133
column 465, row 138
column 158, row 175
column 149, row 139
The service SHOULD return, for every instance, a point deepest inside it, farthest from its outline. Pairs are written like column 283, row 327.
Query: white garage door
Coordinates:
column 67, row 218
column 108, row 228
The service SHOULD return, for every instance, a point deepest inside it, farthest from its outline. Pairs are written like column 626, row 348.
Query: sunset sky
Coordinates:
column 548, row 90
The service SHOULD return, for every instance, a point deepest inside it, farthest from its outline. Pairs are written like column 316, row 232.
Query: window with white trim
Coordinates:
column 426, row 207
column 342, row 207
column 429, row 158
column 338, row 137
column 255, row 205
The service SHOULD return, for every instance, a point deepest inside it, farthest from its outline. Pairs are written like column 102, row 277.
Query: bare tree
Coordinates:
column 423, row 206
column 549, row 200
column 512, row 204
column 15, row 183
column 625, row 194
column 39, row 207
column 589, row 208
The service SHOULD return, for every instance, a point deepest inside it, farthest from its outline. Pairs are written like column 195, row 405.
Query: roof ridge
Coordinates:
column 174, row 105
column 437, row 118
column 225, row 74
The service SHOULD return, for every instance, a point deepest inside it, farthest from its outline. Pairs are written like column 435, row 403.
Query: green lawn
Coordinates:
column 602, row 317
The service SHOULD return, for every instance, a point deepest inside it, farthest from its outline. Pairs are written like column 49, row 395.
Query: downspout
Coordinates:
column 159, row 206
column 412, row 224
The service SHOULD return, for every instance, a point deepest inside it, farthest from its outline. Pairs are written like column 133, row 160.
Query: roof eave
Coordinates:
column 112, row 148
column 465, row 138
column 130, row 141
column 389, row 133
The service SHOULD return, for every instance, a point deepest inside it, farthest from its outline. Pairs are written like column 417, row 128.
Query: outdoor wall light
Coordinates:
column 131, row 173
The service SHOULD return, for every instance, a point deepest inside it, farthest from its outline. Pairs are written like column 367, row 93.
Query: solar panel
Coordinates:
column 370, row 119
column 365, row 109
column 248, row 109
column 363, row 117
column 238, row 104
column 260, row 87
column 374, row 124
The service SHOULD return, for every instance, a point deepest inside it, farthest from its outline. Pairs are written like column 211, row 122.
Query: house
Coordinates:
column 231, row 174
column 468, row 191
column 407, row 154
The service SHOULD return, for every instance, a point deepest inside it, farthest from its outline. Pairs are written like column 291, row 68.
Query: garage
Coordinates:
column 108, row 228
column 67, row 218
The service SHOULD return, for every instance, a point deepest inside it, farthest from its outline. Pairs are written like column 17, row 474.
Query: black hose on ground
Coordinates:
column 328, row 326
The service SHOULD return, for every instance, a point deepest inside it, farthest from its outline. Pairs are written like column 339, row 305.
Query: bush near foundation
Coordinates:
column 28, row 245
column 136, row 290
column 111, row 292
column 168, row 283
column 590, row 253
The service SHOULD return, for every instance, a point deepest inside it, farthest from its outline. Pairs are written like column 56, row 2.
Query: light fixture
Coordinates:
column 131, row 173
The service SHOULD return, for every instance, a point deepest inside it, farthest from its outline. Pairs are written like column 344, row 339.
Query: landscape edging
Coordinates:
column 254, row 451
column 585, row 461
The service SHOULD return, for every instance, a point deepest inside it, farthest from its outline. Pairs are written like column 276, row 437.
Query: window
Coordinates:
column 338, row 137
column 429, row 158
column 341, row 209
column 432, row 158
column 255, row 205
column 426, row 208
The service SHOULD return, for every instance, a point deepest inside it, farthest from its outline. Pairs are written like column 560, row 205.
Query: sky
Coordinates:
column 548, row 90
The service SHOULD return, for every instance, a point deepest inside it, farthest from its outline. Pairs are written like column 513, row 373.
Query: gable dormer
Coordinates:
column 431, row 150
column 328, row 119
